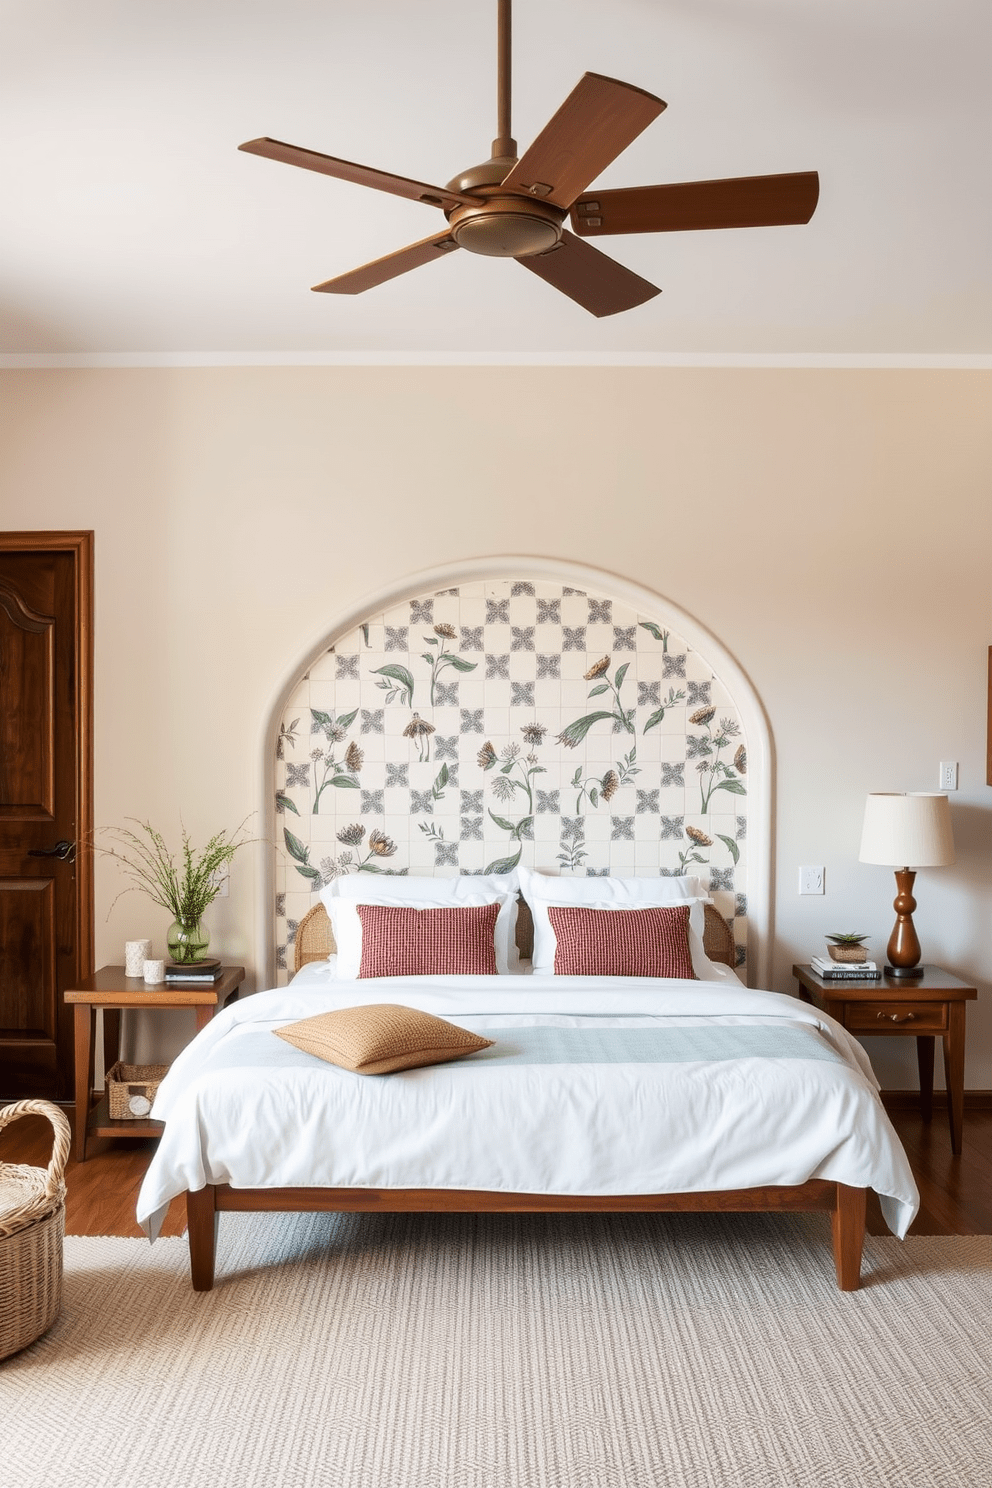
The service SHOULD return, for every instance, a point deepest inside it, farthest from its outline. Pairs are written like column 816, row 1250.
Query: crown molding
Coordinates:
column 817, row 360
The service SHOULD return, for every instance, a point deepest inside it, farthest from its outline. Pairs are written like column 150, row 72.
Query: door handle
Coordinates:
column 66, row 851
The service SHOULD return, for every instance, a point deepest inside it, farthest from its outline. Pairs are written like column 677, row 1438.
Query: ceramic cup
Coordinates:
column 154, row 971
column 136, row 953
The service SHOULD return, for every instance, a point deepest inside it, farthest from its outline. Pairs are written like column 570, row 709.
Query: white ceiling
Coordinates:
column 130, row 224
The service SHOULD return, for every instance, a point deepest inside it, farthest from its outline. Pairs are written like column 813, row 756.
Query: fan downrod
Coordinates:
column 504, row 224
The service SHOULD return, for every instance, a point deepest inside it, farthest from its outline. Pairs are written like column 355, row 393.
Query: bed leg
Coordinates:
column 201, row 1223
column 848, row 1221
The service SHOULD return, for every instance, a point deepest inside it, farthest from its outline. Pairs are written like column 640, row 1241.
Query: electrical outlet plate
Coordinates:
column 948, row 775
column 221, row 881
column 811, row 880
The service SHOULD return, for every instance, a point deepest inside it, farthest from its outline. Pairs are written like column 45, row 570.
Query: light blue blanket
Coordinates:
column 542, row 1045
column 552, row 1045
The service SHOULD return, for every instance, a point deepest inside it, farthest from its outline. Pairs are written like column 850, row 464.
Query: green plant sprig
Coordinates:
column 146, row 860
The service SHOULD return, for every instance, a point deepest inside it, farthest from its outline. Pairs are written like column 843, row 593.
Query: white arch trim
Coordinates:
column 579, row 576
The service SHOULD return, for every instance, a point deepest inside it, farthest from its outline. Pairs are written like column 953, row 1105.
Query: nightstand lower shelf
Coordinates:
column 112, row 991
column 100, row 1123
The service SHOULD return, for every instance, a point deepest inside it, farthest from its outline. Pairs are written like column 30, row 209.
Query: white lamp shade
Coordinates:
column 907, row 831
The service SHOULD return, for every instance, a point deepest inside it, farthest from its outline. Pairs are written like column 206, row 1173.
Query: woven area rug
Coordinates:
column 379, row 1351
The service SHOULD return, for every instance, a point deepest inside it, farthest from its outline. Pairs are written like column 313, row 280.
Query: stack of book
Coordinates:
column 845, row 971
column 192, row 973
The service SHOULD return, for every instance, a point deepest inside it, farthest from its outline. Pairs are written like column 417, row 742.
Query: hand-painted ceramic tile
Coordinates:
column 503, row 723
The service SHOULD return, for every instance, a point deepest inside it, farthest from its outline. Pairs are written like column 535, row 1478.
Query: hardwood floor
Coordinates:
column 955, row 1192
column 102, row 1192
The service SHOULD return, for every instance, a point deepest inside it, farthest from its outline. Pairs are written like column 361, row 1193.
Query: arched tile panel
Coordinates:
column 503, row 721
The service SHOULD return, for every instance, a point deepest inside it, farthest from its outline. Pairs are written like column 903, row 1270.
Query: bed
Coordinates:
column 599, row 1094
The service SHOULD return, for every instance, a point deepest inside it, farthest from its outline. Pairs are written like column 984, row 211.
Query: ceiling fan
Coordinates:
column 510, row 207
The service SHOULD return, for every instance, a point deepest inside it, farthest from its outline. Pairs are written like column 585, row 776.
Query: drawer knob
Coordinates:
column 896, row 1017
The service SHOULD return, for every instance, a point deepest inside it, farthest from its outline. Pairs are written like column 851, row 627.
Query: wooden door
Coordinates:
column 46, row 879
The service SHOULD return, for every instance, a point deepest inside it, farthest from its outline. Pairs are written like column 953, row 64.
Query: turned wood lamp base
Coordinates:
column 903, row 949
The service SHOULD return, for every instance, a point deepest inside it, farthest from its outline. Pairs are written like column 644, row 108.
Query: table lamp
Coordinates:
column 911, row 829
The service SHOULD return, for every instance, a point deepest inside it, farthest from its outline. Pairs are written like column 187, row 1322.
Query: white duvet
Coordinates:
column 245, row 1108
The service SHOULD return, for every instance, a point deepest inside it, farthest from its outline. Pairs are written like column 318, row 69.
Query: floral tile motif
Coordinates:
column 510, row 722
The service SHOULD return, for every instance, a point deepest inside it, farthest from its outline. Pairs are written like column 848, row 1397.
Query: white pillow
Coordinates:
column 342, row 896
column 540, row 890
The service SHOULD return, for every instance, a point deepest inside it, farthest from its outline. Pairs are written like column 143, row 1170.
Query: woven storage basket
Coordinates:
column 32, row 1224
column 131, row 1089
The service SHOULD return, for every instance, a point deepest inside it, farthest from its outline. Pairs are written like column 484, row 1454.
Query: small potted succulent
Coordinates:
column 848, row 947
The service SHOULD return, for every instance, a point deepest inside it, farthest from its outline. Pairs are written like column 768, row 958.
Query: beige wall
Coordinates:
column 831, row 528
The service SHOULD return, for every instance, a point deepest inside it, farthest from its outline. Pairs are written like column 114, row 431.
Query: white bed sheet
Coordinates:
column 247, row 1109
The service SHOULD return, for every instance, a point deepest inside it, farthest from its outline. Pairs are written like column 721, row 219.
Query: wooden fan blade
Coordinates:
column 362, row 175
column 593, row 280
column 390, row 267
column 599, row 118
column 689, row 206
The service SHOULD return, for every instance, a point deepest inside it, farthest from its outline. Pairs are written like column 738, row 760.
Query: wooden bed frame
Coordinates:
column 204, row 1207
column 314, row 942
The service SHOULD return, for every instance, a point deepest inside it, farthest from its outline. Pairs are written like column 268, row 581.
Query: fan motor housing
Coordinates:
column 503, row 224
column 507, row 227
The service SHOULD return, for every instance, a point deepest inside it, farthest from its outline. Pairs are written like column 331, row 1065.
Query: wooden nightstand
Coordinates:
column 927, row 1007
column 111, row 990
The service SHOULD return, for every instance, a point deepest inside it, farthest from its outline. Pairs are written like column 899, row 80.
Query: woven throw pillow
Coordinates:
column 622, row 942
column 398, row 941
column 342, row 896
column 541, row 890
column 383, row 1037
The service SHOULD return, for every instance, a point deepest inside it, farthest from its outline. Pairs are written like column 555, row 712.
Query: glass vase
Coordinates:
column 187, row 942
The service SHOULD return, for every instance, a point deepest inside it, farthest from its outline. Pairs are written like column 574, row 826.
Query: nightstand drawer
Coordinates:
column 893, row 1017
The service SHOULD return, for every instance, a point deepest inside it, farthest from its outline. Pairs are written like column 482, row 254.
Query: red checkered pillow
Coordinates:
column 397, row 941
column 622, row 942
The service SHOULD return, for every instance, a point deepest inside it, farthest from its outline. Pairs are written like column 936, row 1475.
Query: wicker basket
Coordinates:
column 32, row 1224
column 131, row 1089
